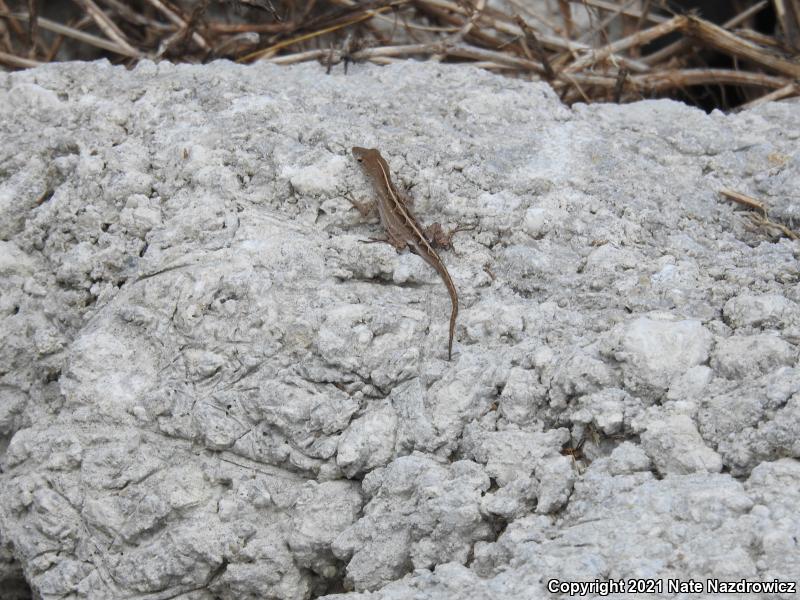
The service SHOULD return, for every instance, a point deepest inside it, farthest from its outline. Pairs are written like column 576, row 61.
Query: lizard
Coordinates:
column 403, row 230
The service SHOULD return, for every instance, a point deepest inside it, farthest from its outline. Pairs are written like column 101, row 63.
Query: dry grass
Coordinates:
column 588, row 50
column 758, row 214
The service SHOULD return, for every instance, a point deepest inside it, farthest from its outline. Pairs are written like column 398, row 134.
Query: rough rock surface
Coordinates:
column 210, row 389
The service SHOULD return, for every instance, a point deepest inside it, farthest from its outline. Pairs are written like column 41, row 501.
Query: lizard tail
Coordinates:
column 429, row 255
column 451, row 288
column 453, row 316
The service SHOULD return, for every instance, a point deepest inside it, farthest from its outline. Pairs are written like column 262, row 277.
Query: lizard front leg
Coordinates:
column 365, row 208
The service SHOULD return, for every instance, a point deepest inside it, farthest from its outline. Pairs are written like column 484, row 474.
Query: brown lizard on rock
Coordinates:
column 403, row 230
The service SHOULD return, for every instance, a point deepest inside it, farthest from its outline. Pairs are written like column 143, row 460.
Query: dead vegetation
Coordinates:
column 588, row 50
column 758, row 214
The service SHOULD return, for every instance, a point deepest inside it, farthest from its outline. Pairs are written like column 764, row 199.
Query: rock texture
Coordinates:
column 209, row 389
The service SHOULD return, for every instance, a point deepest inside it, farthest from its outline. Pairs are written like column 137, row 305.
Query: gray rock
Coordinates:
column 675, row 447
column 754, row 421
column 368, row 442
column 633, row 526
column 771, row 311
column 628, row 458
column 656, row 349
column 210, row 388
column 748, row 356
column 419, row 512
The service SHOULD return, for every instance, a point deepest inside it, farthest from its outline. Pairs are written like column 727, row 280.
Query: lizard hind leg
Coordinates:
column 396, row 243
column 438, row 237
column 399, row 243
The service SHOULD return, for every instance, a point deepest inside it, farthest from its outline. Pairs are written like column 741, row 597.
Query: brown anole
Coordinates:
column 402, row 228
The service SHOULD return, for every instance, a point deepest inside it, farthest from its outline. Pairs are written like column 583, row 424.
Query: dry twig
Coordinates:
column 107, row 26
column 637, row 39
column 759, row 217
column 725, row 41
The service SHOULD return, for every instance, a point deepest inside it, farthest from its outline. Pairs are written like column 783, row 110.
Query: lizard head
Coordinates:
column 372, row 162
column 363, row 154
